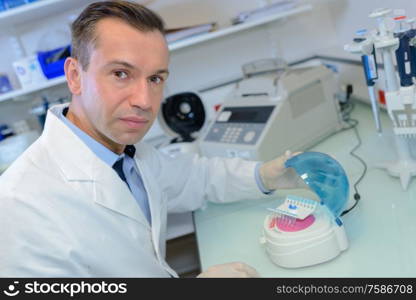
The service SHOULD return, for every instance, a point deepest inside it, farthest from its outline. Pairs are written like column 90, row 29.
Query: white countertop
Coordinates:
column 381, row 229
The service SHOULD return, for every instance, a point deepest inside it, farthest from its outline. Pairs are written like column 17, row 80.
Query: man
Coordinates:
column 82, row 201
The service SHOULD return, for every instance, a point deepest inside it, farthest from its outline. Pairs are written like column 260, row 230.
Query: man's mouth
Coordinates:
column 135, row 122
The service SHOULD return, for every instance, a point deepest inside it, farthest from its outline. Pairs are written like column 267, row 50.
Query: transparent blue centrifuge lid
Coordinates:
column 325, row 176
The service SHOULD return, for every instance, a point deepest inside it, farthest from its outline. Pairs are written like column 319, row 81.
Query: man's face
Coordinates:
column 122, row 88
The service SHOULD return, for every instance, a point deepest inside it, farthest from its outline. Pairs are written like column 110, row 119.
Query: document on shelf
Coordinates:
column 176, row 34
column 274, row 8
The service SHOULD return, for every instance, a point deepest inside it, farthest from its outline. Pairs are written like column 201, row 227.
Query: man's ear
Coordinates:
column 73, row 75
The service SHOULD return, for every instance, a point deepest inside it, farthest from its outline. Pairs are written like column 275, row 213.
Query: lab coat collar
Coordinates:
column 72, row 156
column 78, row 163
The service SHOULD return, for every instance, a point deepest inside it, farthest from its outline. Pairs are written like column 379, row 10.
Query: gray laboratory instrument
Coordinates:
column 270, row 112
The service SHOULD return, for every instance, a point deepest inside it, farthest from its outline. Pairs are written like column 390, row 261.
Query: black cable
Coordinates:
column 357, row 196
column 347, row 108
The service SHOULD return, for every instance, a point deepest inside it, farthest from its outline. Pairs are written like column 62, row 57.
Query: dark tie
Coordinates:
column 130, row 150
column 118, row 166
column 137, row 188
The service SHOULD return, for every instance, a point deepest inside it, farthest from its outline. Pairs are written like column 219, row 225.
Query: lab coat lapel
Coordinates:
column 154, row 198
column 78, row 163
column 113, row 193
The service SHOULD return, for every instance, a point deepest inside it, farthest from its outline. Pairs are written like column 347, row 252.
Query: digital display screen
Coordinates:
column 255, row 114
column 239, row 116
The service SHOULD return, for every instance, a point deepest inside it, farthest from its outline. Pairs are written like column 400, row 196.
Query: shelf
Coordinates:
column 36, row 88
column 236, row 28
column 43, row 9
column 37, row 8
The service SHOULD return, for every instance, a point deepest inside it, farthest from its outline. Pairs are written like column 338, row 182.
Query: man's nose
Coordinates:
column 141, row 96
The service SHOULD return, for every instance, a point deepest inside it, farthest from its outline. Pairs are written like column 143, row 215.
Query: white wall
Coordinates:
column 220, row 60
column 351, row 15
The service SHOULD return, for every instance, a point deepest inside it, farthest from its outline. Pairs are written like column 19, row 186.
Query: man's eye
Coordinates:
column 121, row 74
column 156, row 79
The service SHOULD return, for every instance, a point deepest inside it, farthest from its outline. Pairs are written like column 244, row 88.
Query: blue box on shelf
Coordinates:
column 5, row 85
column 15, row 3
column 52, row 62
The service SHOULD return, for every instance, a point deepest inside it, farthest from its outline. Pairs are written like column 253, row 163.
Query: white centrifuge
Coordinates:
column 303, row 232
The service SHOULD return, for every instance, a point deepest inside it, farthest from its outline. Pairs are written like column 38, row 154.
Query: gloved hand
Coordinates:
column 230, row 270
column 275, row 175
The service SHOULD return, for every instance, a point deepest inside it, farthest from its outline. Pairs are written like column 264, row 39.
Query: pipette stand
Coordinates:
column 400, row 102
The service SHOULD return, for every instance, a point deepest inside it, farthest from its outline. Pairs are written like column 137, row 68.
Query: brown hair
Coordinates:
column 83, row 28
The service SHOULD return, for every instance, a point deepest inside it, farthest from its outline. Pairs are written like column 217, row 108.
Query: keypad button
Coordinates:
column 249, row 136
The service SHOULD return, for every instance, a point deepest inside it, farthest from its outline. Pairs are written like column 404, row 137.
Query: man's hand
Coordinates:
column 275, row 175
column 230, row 270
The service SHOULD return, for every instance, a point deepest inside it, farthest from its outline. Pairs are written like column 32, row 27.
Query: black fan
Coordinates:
column 184, row 114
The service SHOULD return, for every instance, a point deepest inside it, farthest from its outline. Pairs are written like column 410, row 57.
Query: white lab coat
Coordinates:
column 65, row 213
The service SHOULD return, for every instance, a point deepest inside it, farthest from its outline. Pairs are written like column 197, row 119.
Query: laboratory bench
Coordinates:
column 381, row 229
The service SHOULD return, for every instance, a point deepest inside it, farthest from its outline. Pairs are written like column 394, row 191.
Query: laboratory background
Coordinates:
column 252, row 79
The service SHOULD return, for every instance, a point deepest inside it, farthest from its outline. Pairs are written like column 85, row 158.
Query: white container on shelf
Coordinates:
column 29, row 71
